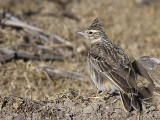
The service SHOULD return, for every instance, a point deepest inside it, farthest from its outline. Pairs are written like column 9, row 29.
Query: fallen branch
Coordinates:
column 21, row 24
column 34, row 45
column 13, row 21
column 12, row 54
column 63, row 73
column 7, row 57
column 30, row 45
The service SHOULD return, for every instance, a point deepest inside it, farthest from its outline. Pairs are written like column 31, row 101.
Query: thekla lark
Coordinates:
column 110, row 67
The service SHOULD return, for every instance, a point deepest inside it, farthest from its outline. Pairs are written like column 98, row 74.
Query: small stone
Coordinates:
column 158, row 107
column 15, row 105
column 88, row 109
column 107, row 108
column 152, row 108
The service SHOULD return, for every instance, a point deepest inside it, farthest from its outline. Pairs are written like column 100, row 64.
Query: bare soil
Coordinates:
column 27, row 92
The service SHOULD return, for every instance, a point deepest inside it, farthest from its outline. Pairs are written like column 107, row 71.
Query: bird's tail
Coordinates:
column 131, row 102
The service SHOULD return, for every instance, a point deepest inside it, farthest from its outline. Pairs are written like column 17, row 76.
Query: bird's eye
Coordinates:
column 90, row 33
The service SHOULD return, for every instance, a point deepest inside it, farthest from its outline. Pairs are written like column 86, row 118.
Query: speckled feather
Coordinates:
column 109, row 65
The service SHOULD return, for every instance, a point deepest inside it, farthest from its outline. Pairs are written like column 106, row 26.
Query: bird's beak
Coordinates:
column 81, row 32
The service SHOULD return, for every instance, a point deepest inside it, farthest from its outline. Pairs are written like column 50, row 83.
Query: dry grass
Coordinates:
column 131, row 24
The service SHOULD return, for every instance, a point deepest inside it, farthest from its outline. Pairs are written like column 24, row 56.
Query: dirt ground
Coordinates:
column 28, row 92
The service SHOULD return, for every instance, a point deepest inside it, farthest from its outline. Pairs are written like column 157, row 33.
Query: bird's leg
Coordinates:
column 113, row 91
column 109, row 92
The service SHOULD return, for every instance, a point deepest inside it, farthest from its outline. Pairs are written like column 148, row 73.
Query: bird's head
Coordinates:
column 94, row 32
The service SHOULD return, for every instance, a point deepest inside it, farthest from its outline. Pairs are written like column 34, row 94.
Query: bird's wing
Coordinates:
column 151, row 66
column 107, row 63
column 98, row 78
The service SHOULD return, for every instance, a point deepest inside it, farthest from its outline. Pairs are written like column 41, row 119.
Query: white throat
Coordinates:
column 95, row 40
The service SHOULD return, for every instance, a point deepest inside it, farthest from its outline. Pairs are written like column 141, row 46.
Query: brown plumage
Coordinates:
column 110, row 66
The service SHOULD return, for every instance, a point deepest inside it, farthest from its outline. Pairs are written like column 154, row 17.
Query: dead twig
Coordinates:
column 34, row 45
column 63, row 73
column 9, row 20
column 22, row 25
column 12, row 54
column 7, row 57
column 30, row 45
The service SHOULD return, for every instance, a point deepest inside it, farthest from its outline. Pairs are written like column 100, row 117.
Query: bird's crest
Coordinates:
column 96, row 25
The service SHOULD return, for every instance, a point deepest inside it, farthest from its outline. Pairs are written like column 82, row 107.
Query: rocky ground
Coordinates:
column 36, row 86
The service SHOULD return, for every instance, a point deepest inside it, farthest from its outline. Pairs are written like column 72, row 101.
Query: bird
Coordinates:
column 109, row 68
